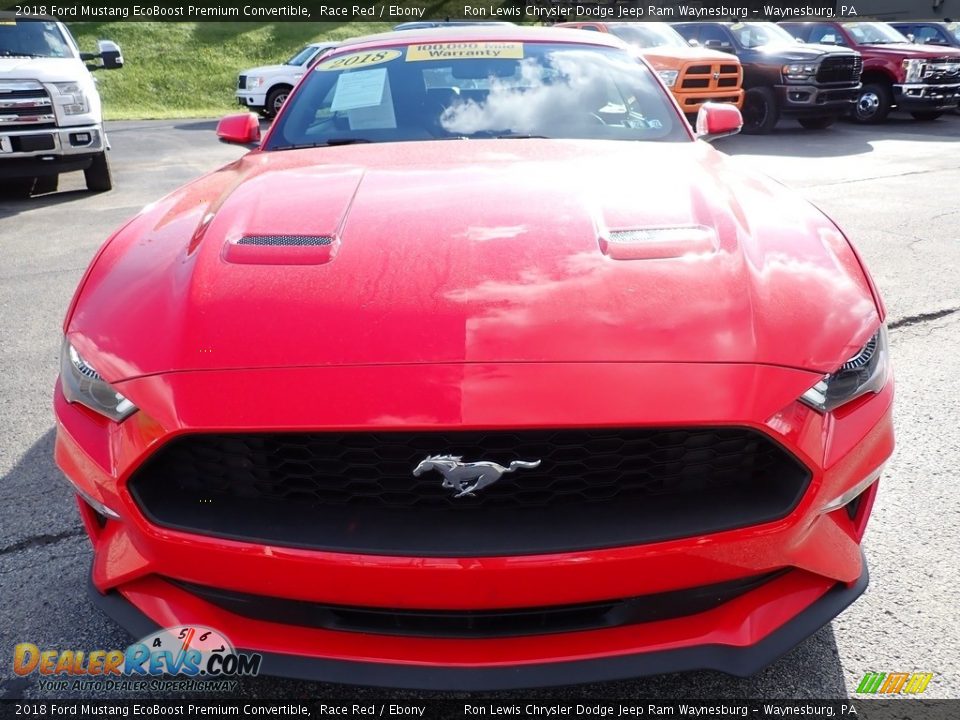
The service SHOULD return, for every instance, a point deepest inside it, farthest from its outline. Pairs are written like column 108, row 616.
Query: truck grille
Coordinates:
column 714, row 76
column 25, row 105
column 840, row 69
column 242, row 82
column 356, row 492
column 942, row 70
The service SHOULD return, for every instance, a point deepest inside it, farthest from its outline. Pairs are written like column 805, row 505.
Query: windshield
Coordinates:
column 648, row 35
column 33, row 39
column 874, row 34
column 303, row 56
column 755, row 34
column 460, row 90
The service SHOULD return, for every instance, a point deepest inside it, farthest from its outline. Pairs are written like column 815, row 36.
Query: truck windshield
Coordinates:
column 477, row 89
column 648, row 35
column 33, row 39
column 301, row 57
column 870, row 33
column 756, row 34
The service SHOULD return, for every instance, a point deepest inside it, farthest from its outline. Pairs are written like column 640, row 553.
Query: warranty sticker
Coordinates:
column 464, row 51
column 362, row 59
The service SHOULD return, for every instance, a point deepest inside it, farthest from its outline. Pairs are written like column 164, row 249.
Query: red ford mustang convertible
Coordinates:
column 483, row 370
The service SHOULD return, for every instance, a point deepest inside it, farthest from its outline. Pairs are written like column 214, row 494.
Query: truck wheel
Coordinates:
column 817, row 123
column 18, row 188
column 760, row 111
column 98, row 174
column 275, row 100
column 46, row 184
column 926, row 116
column 873, row 104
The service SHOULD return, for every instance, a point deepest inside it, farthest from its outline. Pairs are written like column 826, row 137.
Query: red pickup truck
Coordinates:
column 923, row 80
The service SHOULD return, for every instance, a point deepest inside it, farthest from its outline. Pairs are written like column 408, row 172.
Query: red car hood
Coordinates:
column 474, row 252
column 912, row 51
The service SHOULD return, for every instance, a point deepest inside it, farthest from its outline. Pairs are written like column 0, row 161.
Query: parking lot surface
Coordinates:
column 893, row 188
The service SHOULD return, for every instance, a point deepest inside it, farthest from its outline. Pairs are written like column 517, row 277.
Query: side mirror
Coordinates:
column 241, row 129
column 717, row 120
column 108, row 52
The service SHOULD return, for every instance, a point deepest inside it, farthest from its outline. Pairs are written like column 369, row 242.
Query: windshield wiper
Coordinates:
column 521, row 136
column 16, row 53
column 324, row 143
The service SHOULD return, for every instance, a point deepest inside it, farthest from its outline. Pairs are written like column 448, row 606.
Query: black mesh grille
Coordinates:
column 286, row 240
column 357, row 492
column 481, row 623
column 840, row 69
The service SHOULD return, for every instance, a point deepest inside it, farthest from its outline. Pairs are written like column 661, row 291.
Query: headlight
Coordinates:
column 913, row 71
column 864, row 373
column 669, row 77
column 254, row 81
column 82, row 384
column 799, row 71
column 73, row 99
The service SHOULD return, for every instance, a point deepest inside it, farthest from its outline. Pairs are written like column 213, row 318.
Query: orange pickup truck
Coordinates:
column 694, row 75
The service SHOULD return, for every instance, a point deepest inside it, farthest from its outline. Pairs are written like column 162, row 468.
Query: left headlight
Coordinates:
column 913, row 71
column 73, row 98
column 799, row 71
column 864, row 373
column 254, row 81
column 82, row 384
column 669, row 77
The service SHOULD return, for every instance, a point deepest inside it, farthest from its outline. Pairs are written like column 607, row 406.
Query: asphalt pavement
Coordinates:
column 894, row 188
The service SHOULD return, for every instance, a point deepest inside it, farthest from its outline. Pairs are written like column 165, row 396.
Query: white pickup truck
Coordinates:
column 50, row 117
column 264, row 89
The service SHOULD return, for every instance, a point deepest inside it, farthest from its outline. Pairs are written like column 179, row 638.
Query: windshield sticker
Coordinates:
column 355, row 60
column 360, row 89
column 464, row 50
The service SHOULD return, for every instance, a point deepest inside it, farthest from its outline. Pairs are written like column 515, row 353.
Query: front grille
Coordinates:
column 710, row 77
column 480, row 623
column 840, row 69
column 242, row 82
column 942, row 70
column 356, row 492
column 25, row 105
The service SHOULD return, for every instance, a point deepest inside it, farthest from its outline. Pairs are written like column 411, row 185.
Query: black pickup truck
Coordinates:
column 815, row 83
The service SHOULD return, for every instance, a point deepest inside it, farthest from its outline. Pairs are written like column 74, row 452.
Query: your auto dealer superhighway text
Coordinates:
column 601, row 710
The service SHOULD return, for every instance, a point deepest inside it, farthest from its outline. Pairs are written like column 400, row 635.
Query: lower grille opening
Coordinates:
column 356, row 491
column 480, row 623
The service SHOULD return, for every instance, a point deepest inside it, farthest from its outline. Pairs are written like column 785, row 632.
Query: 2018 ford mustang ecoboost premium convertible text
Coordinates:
column 483, row 370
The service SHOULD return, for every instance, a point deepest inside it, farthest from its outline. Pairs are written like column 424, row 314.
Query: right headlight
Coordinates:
column 864, row 373
column 82, row 384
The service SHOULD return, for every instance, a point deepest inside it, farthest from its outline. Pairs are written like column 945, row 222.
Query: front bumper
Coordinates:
column 251, row 98
column 929, row 98
column 816, row 100
column 49, row 151
column 817, row 553
column 691, row 102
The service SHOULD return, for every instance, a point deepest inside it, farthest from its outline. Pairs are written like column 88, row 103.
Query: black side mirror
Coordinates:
column 109, row 55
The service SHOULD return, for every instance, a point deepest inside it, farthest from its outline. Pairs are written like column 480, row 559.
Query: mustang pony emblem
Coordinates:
column 466, row 478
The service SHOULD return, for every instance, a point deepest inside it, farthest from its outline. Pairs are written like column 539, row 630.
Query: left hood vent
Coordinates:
column 286, row 240
column 293, row 249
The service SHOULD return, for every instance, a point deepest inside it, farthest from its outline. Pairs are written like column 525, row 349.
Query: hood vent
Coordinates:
column 652, row 243
column 286, row 240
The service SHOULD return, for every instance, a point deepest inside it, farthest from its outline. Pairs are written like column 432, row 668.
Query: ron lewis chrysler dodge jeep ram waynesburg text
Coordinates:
column 482, row 370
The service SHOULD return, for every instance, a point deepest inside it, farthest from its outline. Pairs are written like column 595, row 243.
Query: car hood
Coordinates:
column 41, row 69
column 800, row 52
column 475, row 252
column 679, row 55
column 911, row 51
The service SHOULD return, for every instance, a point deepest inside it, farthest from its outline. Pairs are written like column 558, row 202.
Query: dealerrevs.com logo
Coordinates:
column 179, row 658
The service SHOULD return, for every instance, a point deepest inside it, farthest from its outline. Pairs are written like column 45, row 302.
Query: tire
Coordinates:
column 817, row 123
column 18, row 188
column 275, row 99
column 760, row 111
column 98, row 174
column 928, row 116
column 873, row 104
column 46, row 184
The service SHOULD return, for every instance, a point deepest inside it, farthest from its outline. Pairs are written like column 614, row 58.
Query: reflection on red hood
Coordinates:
column 474, row 251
